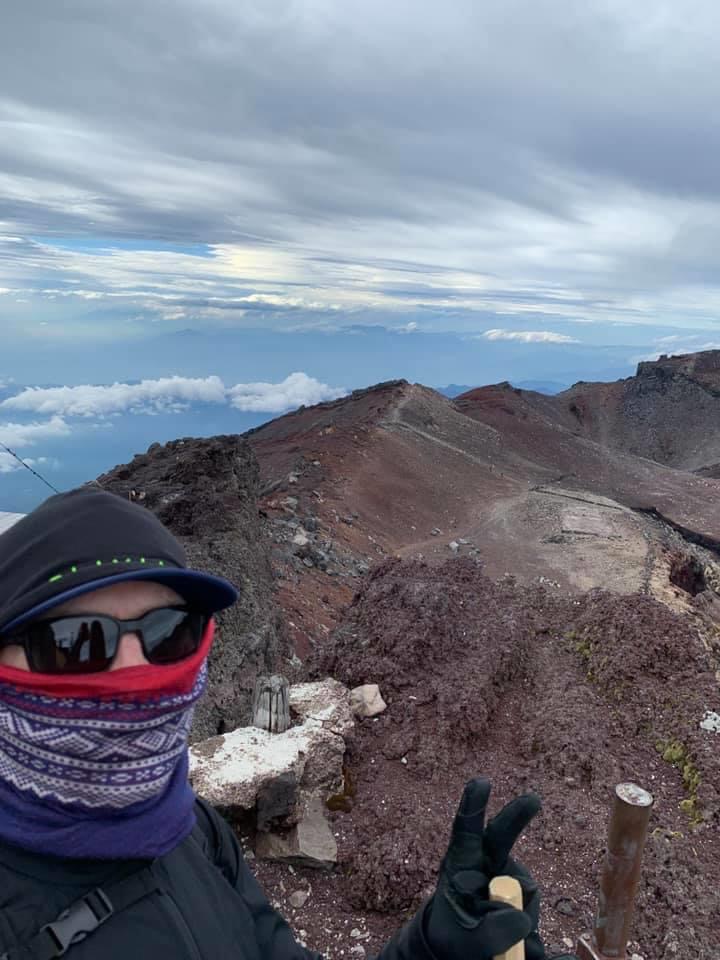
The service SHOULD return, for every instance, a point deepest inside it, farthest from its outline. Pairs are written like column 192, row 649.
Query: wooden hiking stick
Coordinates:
column 620, row 876
column 508, row 890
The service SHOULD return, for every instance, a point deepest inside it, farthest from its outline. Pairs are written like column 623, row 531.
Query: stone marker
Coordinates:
column 271, row 704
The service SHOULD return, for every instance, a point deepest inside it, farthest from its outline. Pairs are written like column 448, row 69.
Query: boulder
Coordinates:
column 276, row 801
column 251, row 769
column 298, row 898
column 711, row 721
column 310, row 843
column 326, row 702
column 366, row 701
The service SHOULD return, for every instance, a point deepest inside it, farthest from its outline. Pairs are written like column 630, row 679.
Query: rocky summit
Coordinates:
column 665, row 413
column 504, row 583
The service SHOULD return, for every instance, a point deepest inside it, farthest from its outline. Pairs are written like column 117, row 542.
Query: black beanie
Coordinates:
column 86, row 539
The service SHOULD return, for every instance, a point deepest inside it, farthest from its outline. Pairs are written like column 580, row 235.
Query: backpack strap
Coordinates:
column 84, row 916
column 95, row 908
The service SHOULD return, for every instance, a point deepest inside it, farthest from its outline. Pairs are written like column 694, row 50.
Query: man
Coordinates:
column 104, row 849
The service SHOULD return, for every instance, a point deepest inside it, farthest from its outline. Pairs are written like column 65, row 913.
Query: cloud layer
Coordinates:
column 96, row 405
column 317, row 164
column 164, row 395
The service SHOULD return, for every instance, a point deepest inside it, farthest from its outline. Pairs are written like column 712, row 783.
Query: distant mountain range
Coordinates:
column 539, row 386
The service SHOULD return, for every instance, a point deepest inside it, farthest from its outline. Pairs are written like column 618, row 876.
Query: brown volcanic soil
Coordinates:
column 566, row 697
column 578, row 463
column 307, row 460
column 524, row 679
column 398, row 470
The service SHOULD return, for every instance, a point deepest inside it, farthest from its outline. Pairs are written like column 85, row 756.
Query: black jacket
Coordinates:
column 201, row 903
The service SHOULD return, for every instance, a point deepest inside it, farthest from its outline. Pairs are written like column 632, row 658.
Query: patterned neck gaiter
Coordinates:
column 97, row 765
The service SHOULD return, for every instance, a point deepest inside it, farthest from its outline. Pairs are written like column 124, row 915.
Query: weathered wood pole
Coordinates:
column 271, row 704
column 508, row 890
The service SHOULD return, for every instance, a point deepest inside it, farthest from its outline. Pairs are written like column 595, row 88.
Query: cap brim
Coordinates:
column 203, row 591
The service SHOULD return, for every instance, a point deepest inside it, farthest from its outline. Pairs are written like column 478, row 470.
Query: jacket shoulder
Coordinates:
column 206, row 831
column 215, row 837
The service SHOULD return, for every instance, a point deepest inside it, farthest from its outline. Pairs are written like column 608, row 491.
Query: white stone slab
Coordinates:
column 585, row 523
column 230, row 770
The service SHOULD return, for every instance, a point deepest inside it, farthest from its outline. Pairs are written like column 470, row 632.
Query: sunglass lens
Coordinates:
column 171, row 635
column 72, row 645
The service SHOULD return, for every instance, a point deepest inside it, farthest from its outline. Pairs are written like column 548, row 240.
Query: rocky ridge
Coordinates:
column 667, row 412
column 206, row 492
column 398, row 470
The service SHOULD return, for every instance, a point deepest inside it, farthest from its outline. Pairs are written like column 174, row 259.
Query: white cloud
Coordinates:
column 27, row 434
column 8, row 464
column 170, row 395
column 20, row 435
column 529, row 336
column 296, row 390
column 165, row 395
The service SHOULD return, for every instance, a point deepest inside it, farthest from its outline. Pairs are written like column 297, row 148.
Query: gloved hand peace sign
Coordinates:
column 461, row 921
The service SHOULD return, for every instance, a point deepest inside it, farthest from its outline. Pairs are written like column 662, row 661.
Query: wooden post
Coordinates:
column 271, row 704
column 508, row 890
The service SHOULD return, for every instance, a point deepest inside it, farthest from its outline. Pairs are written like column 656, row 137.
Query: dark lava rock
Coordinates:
column 205, row 491
column 565, row 906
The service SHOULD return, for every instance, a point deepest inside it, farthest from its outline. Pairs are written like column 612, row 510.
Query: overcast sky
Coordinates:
column 533, row 168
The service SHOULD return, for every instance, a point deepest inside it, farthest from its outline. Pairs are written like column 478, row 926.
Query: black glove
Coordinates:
column 460, row 920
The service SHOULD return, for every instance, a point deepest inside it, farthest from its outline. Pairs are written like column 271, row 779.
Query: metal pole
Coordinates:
column 620, row 875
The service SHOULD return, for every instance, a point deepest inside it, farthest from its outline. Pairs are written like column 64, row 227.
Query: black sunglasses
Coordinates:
column 87, row 643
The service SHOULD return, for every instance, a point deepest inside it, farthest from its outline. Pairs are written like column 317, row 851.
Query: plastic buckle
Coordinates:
column 80, row 919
